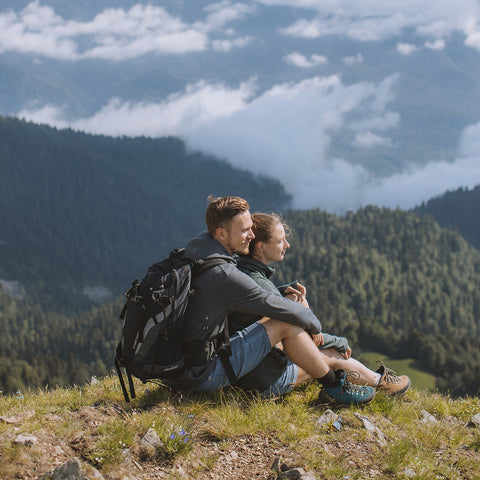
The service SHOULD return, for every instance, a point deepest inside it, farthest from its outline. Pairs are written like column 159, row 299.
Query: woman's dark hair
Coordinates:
column 263, row 226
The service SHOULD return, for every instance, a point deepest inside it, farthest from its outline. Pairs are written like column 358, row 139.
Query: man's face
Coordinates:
column 237, row 234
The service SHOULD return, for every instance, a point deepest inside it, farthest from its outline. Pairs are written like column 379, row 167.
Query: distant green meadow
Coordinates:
column 406, row 366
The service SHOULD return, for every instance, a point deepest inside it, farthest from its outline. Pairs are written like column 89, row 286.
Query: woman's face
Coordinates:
column 274, row 250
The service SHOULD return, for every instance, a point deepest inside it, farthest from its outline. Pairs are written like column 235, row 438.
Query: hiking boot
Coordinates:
column 342, row 392
column 390, row 382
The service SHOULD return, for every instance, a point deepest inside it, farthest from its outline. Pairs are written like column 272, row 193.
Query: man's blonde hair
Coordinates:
column 221, row 210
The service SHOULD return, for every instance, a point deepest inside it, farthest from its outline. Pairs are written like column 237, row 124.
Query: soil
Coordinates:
column 244, row 457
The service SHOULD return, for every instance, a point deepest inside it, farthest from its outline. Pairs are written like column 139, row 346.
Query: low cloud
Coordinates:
column 178, row 113
column 438, row 44
column 353, row 60
column 369, row 140
column 370, row 20
column 286, row 133
column 406, row 48
column 301, row 61
column 117, row 34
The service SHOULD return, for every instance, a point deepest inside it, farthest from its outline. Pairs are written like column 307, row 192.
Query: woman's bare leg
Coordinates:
column 335, row 360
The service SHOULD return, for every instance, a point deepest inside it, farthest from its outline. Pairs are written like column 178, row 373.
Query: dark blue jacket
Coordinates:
column 220, row 290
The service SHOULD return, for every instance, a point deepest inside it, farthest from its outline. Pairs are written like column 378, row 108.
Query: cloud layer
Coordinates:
column 286, row 132
column 117, row 34
column 370, row 20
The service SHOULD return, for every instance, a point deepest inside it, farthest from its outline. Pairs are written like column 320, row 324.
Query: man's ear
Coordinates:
column 220, row 234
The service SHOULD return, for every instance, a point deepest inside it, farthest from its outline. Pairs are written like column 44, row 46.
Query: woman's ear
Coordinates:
column 259, row 247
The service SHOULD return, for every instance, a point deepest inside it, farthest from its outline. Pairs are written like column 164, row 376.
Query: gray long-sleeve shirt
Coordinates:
column 223, row 289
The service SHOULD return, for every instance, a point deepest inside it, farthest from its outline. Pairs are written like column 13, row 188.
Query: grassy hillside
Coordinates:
column 405, row 366
column 230, row 435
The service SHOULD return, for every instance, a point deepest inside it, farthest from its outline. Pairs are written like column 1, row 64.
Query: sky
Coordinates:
column 285, row 130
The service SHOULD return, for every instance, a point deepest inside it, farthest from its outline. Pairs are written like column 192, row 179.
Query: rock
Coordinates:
column 58, row 450
column 474, row 421
column 292, row 474
column 427, row 417
column 150, row 439
column 277, row 465
column 27, row 440
column 73, row 469
column 372, row 429
column 327, row 418
column 408, row 472
column 232, row 456
column 16, row 419
column 149, row 444
column 296, row 473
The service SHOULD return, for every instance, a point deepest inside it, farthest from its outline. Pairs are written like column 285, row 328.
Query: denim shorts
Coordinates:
column 249, row 348
column 284, row 383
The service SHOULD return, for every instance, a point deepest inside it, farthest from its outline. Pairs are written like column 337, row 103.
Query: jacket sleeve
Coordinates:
column 332, row 341
column 237, row 292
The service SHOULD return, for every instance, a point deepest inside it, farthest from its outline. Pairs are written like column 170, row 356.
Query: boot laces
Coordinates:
column 389, row 375
column 351, row 387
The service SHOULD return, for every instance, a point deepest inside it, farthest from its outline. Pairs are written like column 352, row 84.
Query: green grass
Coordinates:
column 195, row 431
column 420, row 380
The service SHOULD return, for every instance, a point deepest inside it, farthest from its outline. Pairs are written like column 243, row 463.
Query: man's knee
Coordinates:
column 277, row 330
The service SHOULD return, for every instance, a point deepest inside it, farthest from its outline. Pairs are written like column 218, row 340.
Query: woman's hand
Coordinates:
column 298, row 294
column 348, row 353
column 317, row 339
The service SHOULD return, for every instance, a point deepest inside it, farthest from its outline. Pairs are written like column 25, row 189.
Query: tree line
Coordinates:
column 81, row 210
column 388, row 280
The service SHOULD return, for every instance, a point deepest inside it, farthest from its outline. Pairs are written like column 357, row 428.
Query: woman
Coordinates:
column 276, row 370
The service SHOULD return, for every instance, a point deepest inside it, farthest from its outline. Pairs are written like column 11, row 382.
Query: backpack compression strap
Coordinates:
column 225, row 352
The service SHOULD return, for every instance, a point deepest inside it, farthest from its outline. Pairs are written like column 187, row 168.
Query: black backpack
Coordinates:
column 150, row 347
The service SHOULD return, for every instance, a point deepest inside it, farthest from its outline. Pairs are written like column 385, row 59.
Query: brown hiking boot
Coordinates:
column 390, row 382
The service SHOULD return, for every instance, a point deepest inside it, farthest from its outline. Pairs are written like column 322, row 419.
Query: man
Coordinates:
column 223, row 289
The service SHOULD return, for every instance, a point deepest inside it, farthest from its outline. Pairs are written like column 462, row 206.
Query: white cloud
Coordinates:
column 219, row 14
column 301, row 61
column 473, row 40
column 227, row 45
column 177, row 114
column 286, row 133
column 369, row 139
column 353, row 60
column 438, row 44
column 418, row 184
column 406, row 48
column 370, row 20
column 118, row 34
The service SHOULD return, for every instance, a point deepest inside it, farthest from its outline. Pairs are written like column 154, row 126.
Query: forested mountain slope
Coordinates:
column 459, row 210
column 80, row 210
column 388, row 280
column 393, row 282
